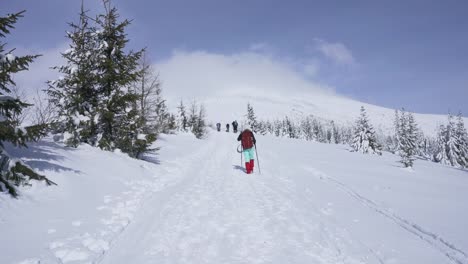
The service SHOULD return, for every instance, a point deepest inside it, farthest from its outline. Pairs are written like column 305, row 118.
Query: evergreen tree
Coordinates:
column 120, row 124
column 262, row 127
column 193, row 112
column 441, row 154
column 75, row 93
column 290, row 128
column 306, row 127
column 364, row 136
column 461, row 138
column 252, row 119
column 182, row 121
column 199, row 127
column 335, row 134
column 161, row 113
column 14, row 172
column 449, row 150
column 408, row 138
column 277, row 128
column 317, row 130
column 397, row 131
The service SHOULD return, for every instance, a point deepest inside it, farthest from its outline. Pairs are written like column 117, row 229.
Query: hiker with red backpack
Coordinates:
column 248, row 142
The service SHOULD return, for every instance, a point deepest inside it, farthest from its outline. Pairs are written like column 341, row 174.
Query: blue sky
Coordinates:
column 411, row 54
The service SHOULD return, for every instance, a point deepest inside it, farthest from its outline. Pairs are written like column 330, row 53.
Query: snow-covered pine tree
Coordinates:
column 262, row 127
column 192, row 118
column 289, row 128
column 408, row 138
column 441, row 153
column 251, row 118
column 182, row 121
column 161, row 112
column 453, row 149
column 306, row 127
column 462, row 141
column 335, row 134
column 449, row 150
column 74, row 95
column 397, row 131
column 14, row 172
column 199, row 127
column 120, row 125
column 364, row 136
column 277, row 128
column 317, row 130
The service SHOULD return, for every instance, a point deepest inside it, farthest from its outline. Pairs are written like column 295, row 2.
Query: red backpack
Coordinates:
column 247, row 139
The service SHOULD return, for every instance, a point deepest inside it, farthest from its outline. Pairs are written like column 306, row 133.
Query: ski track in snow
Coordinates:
column 203, row 208
column 90, row 247
column 218, row 215
column 453, row 253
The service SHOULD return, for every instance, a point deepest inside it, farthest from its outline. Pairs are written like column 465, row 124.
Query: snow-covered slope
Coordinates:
column 325, row 106
column 275, row 87
column 312, row 203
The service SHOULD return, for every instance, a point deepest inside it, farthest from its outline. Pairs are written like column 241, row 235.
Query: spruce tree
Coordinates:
column 408, row 138
column 277, row 128
column 316, row 130
column 193, row 112
column 182, row 121
column 449, row 150
column 335, row 134
column 199, row 121
column 161, row 112
column 120, row 124
column 461, row 138
column 306, row 127
column 14, row 172
column 397, row 131
column 364, row 136
column 441, row 154
column 252, row 119
column 75, row 94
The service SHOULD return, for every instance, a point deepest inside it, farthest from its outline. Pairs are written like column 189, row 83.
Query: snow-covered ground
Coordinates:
column 193, row 203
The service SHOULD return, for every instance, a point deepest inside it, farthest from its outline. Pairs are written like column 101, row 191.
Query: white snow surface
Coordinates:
column 193, row 203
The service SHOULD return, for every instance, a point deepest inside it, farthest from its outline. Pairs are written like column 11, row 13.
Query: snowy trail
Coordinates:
column 291, row 213
column 218, row 214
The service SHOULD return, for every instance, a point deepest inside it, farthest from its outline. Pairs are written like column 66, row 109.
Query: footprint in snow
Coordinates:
column 66, row 256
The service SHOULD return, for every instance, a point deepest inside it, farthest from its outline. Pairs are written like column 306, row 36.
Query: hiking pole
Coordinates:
column 241, row 159
column 258, row 161
column 240, row 153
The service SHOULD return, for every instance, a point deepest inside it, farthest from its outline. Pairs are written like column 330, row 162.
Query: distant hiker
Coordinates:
column 248, row 141
column 227, row 127
column 234, row 126
column 218, row 126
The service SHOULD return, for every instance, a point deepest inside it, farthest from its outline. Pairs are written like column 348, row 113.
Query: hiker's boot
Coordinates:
column 251, row 165
column 247, row 167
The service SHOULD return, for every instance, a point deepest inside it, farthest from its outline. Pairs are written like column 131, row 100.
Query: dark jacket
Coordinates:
column 247, row 139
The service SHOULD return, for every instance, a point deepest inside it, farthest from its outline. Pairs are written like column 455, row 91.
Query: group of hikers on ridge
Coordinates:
column 248, row 142
column 234, row 127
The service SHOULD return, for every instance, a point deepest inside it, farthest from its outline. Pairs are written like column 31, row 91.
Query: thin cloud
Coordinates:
column 199, row 74
column 337, row 52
